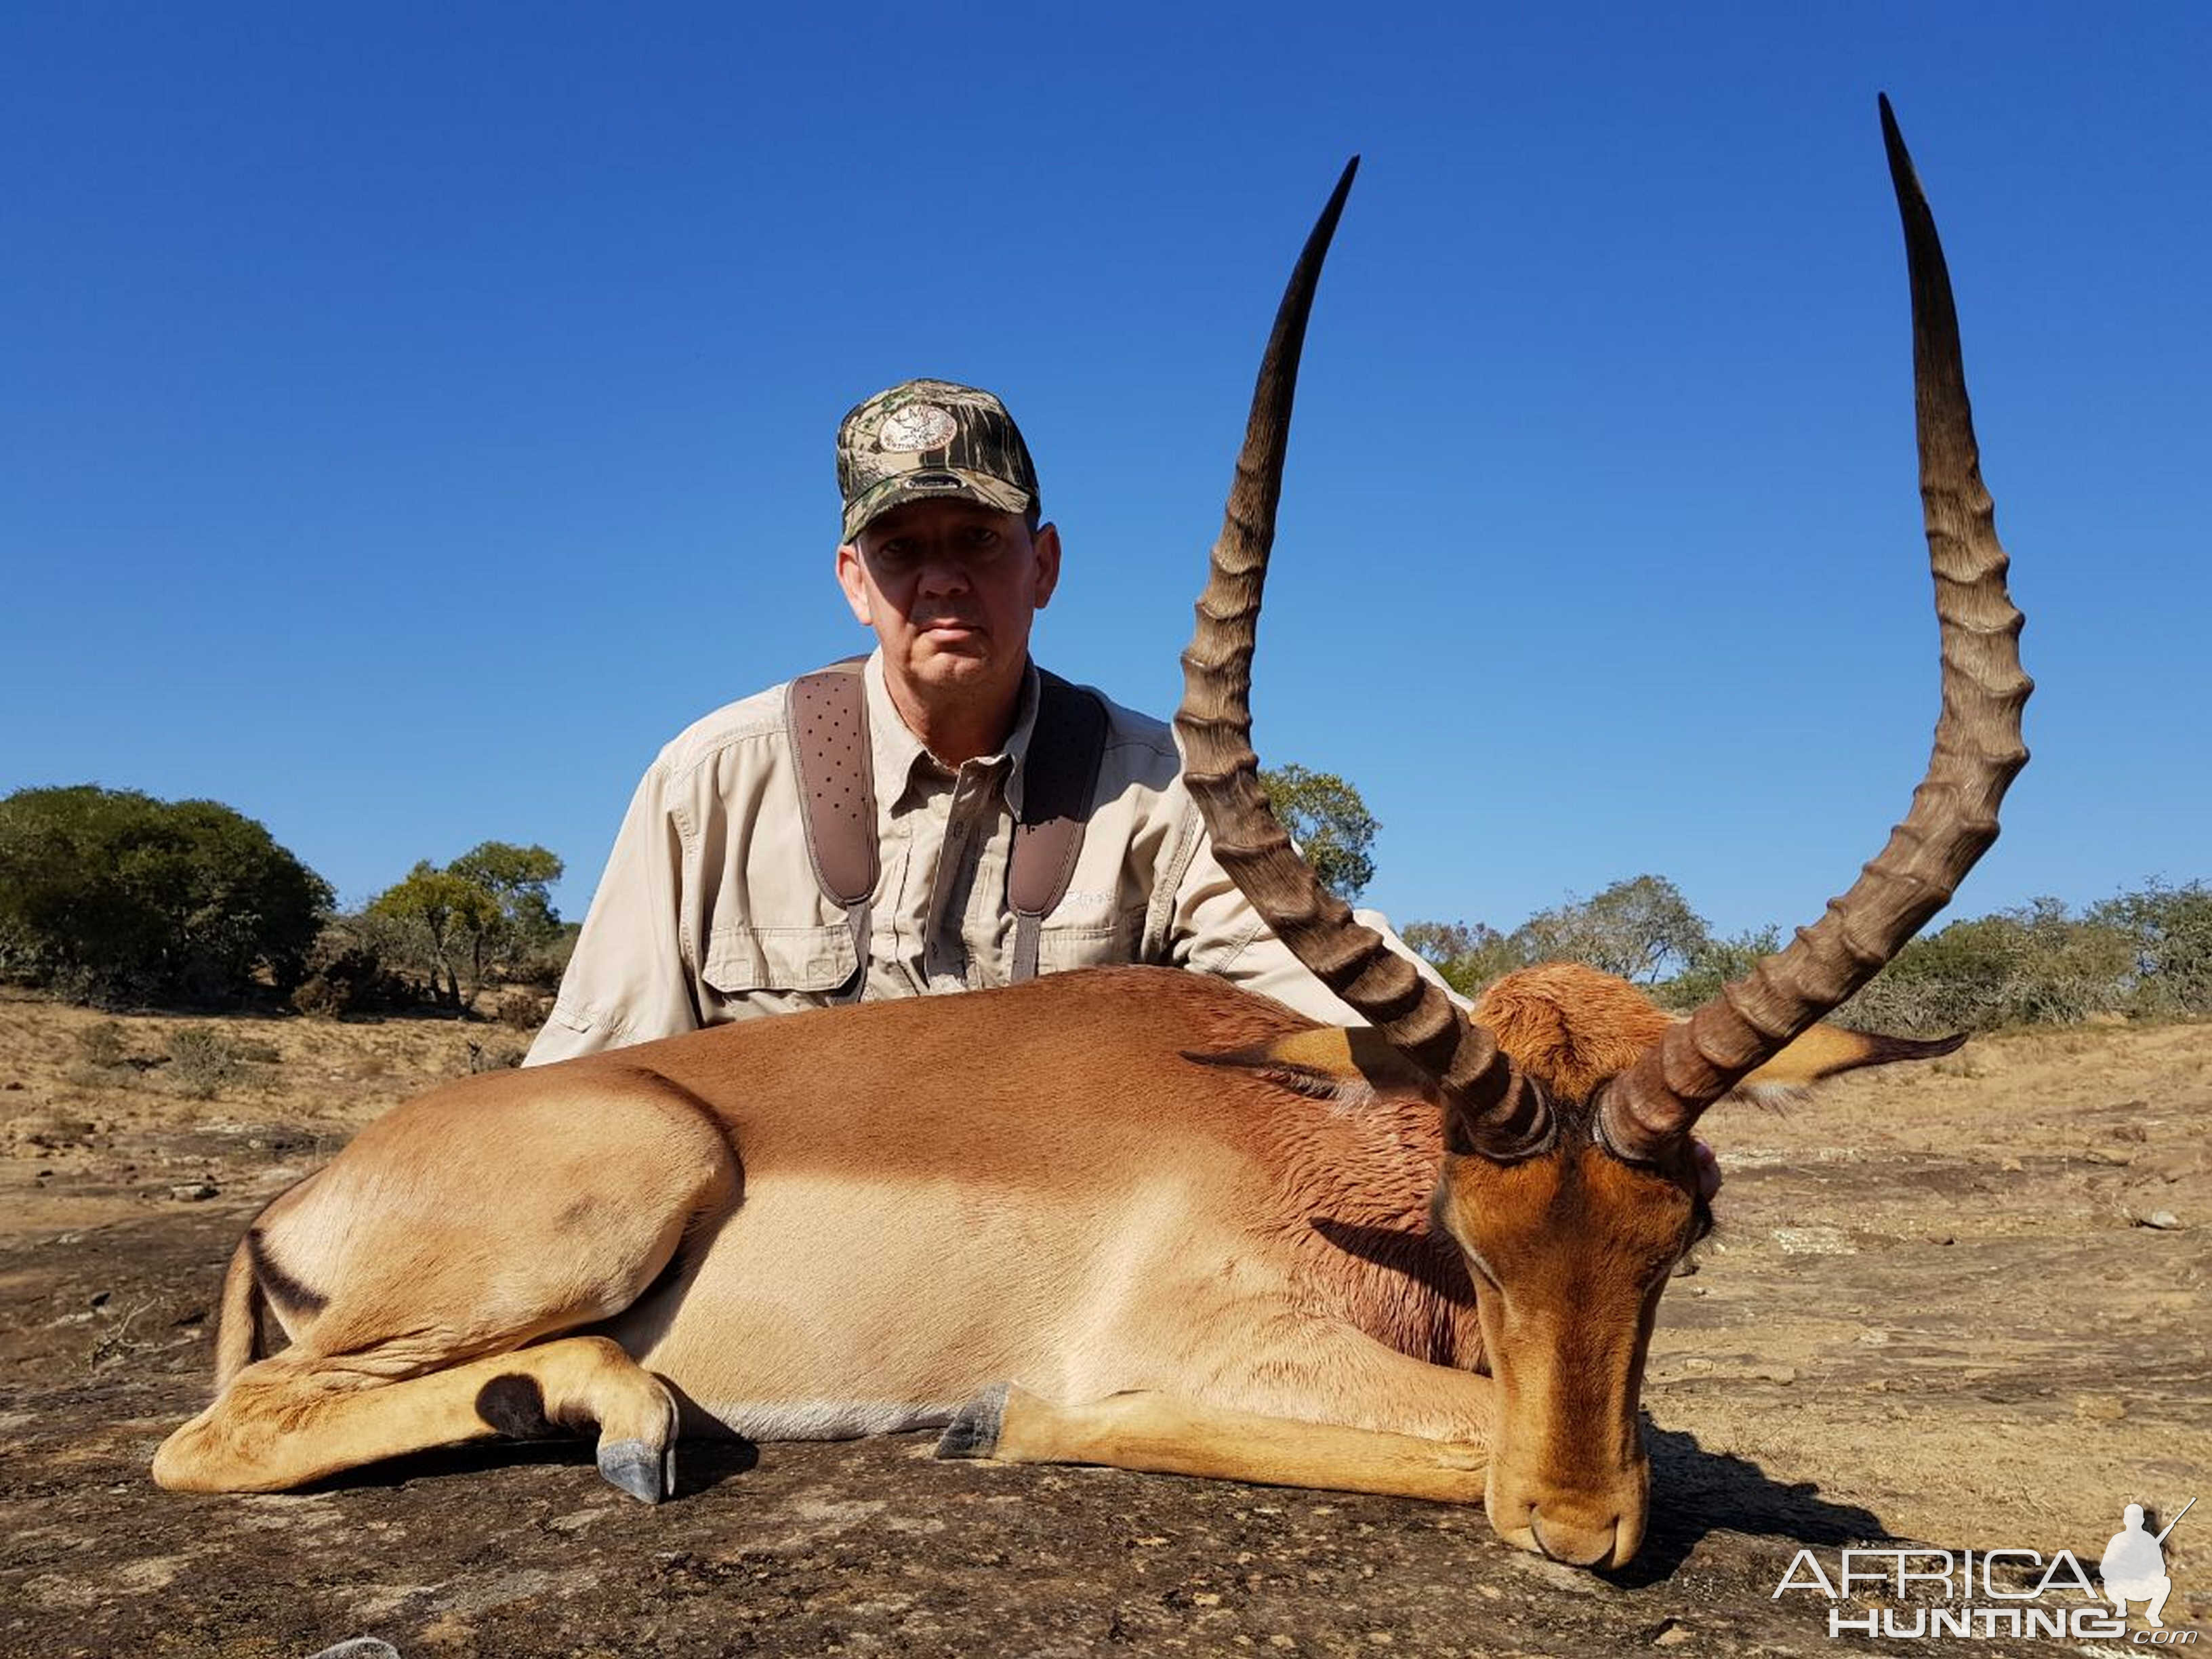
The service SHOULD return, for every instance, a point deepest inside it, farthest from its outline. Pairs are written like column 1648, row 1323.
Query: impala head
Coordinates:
column 1572, row 1179
column 1571, row 1244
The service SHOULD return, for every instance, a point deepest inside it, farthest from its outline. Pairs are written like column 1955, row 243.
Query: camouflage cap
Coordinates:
column 925, row 438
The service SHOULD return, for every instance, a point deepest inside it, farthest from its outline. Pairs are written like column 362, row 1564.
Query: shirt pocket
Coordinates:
column 744, row 961
column 1091, row 944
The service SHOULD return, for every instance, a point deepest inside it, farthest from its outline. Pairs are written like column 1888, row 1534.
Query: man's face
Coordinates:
column 950, row 588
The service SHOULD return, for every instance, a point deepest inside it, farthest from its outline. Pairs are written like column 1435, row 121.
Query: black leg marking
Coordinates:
column 514, row 1406
column 289, row 1293
column 974, row 1431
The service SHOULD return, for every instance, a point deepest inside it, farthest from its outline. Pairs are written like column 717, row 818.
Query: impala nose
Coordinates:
column 1578, row 1543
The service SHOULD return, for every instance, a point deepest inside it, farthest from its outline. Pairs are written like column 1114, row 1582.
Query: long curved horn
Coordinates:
column 1954, row 818
column 1496, row 1111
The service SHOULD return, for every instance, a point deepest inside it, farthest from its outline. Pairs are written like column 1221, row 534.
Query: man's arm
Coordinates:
column 1215, row 930
column 627, row 981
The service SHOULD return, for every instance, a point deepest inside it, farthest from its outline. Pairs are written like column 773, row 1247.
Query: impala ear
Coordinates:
column 1827, row 1051
column 1332, row 1062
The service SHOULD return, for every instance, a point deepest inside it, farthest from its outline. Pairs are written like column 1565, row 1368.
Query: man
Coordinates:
column 711, row 908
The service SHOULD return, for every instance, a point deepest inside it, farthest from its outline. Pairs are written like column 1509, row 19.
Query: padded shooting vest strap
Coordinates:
column 1060, row 775
column 827, row 715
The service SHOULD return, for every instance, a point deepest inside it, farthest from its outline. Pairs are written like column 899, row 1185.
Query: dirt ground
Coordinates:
column 1964, row 1305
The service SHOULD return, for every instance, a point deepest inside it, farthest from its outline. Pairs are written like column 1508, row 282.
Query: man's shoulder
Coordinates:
column 1136, row 743
column 755, row 723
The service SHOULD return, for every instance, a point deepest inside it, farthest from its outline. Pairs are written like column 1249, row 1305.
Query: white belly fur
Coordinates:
column 829, row 1306
column 824, row 1419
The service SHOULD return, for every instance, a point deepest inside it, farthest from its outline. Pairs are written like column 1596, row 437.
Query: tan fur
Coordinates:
column 240, row 1319
column 1827, row 1051
column 1568, row 1026
column 1129, row 1182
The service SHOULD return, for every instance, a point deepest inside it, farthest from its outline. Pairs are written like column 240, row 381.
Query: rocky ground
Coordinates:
column 1966, row 1305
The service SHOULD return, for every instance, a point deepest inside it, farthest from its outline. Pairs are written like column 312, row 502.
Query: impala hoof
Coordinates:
column 974, row 1431
column 645, row 1472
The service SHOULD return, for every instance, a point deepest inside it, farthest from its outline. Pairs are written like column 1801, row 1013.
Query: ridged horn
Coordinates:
column 1492, row 1108
column 1953, row 817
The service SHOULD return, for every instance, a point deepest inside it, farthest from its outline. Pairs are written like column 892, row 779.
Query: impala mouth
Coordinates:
column 1607, row 1542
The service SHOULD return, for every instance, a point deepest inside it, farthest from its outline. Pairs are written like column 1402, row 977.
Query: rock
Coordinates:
column 195, row 1192
column 2165, row 1220
column 1814, row 1241
column 1672, row 1634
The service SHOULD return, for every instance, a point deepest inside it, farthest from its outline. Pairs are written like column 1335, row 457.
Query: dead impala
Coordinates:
column 1131, row 1217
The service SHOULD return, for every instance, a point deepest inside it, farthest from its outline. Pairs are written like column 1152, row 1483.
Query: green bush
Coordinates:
column 101, row 1045
column 2169, row 930
column 2145, row 954
column 200, row 1062
column 110, row 896
column 524, row 1010
column 2035, row 966
column 1469, row 955
column 1714, row 963
column 543, row 963
column 350, row 970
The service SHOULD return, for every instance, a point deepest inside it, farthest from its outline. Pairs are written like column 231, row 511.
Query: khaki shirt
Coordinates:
column 709, row 909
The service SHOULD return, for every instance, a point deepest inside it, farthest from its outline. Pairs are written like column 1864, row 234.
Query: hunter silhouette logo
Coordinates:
column 2134, row 1567
column 1915, row 1593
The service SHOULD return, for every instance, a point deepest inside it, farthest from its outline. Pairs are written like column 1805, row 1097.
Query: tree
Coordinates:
column 1331, row 824
column 1715, row 962
column 520, row 879
column 1468, row 955
column 1635, row 928
column 488, row 906
column 111, row 895
column 2171, row 931
column 443, row 919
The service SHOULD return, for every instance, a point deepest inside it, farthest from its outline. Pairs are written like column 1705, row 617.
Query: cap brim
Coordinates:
column 935, row 484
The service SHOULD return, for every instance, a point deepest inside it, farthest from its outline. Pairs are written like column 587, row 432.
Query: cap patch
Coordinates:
column 916, row 427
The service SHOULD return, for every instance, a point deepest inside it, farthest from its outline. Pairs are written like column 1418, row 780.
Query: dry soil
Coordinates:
column 1936, row 1310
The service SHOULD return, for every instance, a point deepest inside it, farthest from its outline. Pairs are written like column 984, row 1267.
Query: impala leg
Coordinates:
column 286, row 1421
column 423, row 1287
column 1172, row 1434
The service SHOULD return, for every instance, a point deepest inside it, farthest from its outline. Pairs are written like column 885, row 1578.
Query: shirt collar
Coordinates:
column 897, row 752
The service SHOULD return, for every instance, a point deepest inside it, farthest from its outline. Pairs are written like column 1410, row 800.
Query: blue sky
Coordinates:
column 412, row 416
